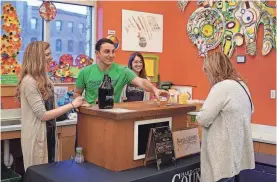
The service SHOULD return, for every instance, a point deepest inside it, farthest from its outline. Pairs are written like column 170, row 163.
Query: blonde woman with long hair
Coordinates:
column 225, row 118
column 35, row 90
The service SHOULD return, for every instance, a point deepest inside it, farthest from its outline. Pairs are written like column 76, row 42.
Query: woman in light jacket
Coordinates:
column 38, row 113
column 225, row 118
column 130, row 92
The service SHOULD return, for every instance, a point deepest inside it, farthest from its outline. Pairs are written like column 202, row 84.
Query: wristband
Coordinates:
column 72, row 105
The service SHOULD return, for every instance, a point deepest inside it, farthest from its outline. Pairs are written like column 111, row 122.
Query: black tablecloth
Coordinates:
column 265, row 169
column 69, row 171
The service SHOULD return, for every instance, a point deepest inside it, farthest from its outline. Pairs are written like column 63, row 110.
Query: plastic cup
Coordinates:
column 163, row 101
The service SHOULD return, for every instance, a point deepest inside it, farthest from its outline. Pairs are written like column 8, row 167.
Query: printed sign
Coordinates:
column 186, row 142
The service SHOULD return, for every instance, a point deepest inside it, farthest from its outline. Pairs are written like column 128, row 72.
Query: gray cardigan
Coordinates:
column 225, row 118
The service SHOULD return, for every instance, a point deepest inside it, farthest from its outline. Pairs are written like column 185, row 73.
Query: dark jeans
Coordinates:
column 51, row 142
column 227, row 180
column 233, row 179
column 76, row 139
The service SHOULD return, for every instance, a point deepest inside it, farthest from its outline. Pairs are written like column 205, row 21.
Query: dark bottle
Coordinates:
column 106, row 94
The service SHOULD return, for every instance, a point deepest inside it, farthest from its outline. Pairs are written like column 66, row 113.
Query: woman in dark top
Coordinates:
column 130, row 92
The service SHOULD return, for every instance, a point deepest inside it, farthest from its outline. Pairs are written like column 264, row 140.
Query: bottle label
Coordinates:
column 109, row 97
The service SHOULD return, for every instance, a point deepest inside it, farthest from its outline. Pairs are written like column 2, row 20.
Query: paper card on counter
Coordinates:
column 149, row 67
column 118, row 110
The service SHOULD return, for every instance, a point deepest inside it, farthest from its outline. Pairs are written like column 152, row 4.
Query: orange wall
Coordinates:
column 179, row 61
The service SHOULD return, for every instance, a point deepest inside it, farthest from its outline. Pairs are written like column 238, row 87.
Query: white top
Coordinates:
column 225, row 118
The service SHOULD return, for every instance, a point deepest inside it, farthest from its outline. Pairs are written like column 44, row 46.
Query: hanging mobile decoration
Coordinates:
column 47, row 11
column 115, row 41
column 182, row 4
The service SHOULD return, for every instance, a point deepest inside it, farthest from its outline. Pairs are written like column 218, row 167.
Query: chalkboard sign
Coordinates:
column 160, row 146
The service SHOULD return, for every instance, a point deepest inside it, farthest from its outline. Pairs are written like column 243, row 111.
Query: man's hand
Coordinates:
column 162, row 93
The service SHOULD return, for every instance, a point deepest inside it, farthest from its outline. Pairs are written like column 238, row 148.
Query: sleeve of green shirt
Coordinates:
column 130, row 75
column 80, row 82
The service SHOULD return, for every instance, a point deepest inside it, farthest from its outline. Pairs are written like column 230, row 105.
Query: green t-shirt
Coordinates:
column 91, row 77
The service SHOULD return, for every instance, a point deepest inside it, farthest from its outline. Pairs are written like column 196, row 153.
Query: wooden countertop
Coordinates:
column 129, row 110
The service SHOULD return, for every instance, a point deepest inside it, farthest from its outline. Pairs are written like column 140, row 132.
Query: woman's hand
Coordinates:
column 86, row 104
column 78, row 101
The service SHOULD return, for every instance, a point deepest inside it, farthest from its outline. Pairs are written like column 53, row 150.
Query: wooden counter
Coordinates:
column 107, row 136
column 137, row 110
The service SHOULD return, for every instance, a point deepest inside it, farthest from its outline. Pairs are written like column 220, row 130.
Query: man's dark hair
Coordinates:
column 102, row 41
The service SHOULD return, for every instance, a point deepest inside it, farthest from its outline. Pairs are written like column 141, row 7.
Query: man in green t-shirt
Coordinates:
column 90, row 77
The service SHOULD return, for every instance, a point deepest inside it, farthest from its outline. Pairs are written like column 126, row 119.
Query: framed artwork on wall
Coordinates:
column 151, row 66
column 141, row 31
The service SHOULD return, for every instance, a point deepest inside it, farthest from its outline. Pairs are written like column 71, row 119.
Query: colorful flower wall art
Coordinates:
column 65, row 71
column 10, row 45
column 237, row 22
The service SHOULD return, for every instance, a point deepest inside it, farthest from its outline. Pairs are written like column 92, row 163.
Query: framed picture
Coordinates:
column 241, row 59
column 151, row 66
column 141, row 31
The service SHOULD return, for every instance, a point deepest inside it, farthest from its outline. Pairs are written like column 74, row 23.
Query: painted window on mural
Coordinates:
column 70, row 46
column 34, row 23
column 58, row 45
column 81, row 28
column 70, row 27
column 58, row 25
column 81, row 47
